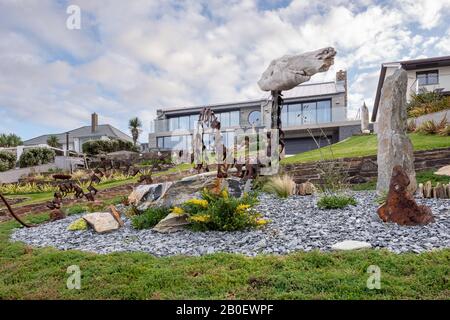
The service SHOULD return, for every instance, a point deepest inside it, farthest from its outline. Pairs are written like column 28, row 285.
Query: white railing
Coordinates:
column 442, row 85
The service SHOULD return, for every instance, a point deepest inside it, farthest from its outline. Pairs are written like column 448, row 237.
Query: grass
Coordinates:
column 365, row 145
column 421, row 177
column 30, row 273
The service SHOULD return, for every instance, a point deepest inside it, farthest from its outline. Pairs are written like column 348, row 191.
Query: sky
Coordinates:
column 130, row 58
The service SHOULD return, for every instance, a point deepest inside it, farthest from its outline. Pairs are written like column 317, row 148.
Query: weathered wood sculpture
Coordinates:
column 288, row 72
column 400, row 206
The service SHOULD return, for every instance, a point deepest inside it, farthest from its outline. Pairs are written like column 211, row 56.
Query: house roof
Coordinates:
column 415, row 64
column 300, row 91
column 82, row 132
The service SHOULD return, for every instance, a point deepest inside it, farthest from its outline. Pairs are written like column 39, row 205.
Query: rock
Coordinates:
column 419, row 191
column 351, row 245
column 439, row 191
column 289, row 71
column 172, row 223
column 116, row 215
column 428, row 190
column 306, row 188
column 447, row 190
column 394, row 146
column 146, row 192
column 101, row 222
column 57, row 214
column 400, row 207
column 364, row 119
column 357, row 179
column 444, row 171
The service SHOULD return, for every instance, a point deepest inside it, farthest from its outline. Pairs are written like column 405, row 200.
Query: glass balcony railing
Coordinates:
column 438, row 84
column 290, row 119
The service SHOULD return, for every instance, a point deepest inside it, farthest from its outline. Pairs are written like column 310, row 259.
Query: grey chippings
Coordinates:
column 296, row 225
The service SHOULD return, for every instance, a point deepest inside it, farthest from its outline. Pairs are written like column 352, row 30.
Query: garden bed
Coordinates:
column 297, row 224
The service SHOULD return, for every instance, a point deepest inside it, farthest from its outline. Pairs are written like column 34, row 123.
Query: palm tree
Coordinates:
column 135, row 125
column 10, row 140
column 53, row 141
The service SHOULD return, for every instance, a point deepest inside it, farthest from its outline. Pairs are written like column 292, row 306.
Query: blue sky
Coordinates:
column 132, row 57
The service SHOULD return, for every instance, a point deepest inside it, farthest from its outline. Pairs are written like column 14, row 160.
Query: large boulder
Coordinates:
column 175, row 193
column 101, row 222
column 400, row 206
column 172, row 223
column 394, row 146
column 289, row 71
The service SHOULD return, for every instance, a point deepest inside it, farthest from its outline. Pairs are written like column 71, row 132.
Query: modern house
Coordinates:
column 430, row 74
column 73, row 140
column 319, row 109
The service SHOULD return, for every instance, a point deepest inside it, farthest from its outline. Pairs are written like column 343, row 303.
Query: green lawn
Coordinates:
column 358, row 146
column 30, row 273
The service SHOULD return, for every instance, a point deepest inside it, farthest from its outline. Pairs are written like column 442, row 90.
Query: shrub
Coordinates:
column 221, row 212
column 15, row 188
column 282, row 186
column 335, row 201
column 149, row 218
column 36, row 156
column 411, row 126
column 107, row 146
column 7, row 161
column 428, row 127
column 79, row 224
column 427, row 102
column 445, row 131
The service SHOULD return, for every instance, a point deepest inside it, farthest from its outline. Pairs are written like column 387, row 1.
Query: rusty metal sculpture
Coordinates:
column 15, row 216
column 400, row 206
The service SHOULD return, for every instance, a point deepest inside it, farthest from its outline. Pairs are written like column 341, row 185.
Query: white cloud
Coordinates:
column 131, row 58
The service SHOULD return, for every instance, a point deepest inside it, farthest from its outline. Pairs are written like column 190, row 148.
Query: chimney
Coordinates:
column 94, row 122
column 341, row 76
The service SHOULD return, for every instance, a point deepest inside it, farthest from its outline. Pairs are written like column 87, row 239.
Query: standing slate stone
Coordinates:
column 364, row 119
column 394, row 146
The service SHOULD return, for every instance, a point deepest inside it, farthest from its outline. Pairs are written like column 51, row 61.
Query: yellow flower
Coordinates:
column 198, row 202
column 178, row 210
column 262, row 222
column 242, row 208
column 225, row 194
column 201, row 218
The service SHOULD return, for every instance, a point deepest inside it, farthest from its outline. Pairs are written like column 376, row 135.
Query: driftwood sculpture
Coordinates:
column 288, row 72
column 400, row 206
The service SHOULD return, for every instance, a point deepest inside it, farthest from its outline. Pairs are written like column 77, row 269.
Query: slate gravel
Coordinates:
column 296, row 225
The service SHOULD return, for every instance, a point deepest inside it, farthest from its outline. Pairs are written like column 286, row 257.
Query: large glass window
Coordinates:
column 323, row 111
column 184, row 123
column 175, row 142
column 306, row 113
column 228, row 119
column 173, row 123
column 309, row 113
column 427, row 77
column 294, row 114
column 234, row 118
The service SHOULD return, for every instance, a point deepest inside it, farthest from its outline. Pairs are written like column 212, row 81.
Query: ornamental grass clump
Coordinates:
column 222, row 212
column 335, row 201
column 282, row 186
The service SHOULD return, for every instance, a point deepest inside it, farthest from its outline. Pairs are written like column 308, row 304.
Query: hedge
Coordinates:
column 36, row 156
column 7, row 161
column 107, row 146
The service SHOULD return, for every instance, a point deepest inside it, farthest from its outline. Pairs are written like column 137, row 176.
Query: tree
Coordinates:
column 135, row 125
column 10, row 140
column 53, row 141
